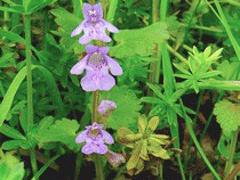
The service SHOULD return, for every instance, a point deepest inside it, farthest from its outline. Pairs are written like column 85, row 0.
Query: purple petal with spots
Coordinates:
column 79, row 67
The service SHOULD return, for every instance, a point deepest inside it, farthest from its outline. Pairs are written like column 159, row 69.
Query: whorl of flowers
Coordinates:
column 99, row 70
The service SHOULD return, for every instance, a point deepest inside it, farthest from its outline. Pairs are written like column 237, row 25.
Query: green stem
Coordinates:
column 112, row 10
column 232, row 149
column 210, row 118
column 78, row 164
column 33, row 162
column 98, row 167
column 95, row 105
column 169, row 86
column 27, row 29
column 155, row 65
column 45, row 167
column 197, row 144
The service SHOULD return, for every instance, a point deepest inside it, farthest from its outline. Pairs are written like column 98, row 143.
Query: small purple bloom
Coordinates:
column 95, row 138
column 106, row 106
column 115, row 159
column 97, row 65
column 93, row 25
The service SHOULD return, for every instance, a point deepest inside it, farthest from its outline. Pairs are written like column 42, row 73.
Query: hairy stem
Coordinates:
column 232, row 148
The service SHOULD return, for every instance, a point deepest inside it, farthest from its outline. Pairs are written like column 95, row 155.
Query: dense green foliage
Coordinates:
column 181, row 64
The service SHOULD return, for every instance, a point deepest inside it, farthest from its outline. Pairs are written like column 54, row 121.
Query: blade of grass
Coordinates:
column 188, row 122
column 169, row 87
column 220, row 15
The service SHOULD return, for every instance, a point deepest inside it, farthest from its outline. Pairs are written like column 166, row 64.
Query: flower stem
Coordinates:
column 95, row 105
column 155, row 65
column 232, row 148
column 98, row 167
column 33, row 162
column 97, row 158
column 27, row 30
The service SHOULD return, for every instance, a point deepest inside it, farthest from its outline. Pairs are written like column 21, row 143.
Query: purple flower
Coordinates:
column 95, row 139
column 106, row 106
column 93, row 25
column 97, row 64
column 115, row 159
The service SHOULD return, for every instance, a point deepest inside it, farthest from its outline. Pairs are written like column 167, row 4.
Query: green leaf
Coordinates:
column 128, row 106
column 63, row 131
column 14, row 144
column 228, row 116
column 32, row 6
column 11, row 168
column 11, row 132
column 11, row 36
column 67, row 23
column 139, row 41
column 12, row 90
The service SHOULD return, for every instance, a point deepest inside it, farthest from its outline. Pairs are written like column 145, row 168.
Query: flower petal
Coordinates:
column 85, row 39
column 78, row 29
column 114, row 67
column 106, row 82
column 104, row 50
column 87, row 149
column 107, row 137
column 79, row 67
column 88, row 82
column 86, row 8
column 102, row 36
column 81, row 137
column 98, row 8
column 110, row 27
column 101, row 148
column 91, row 49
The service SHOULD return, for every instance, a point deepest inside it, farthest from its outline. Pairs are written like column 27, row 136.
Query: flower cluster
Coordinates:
column 98, row 65
column 95, row 138
column 99, row 71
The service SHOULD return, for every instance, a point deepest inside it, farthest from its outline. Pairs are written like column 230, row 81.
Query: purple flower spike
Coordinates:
column 97, row 65
column 95, row 138
column 93, row 25
column 106, row 106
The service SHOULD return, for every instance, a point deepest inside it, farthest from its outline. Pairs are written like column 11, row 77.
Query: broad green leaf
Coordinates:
column 228, row 116
column 11, row 168
column 128, row 107
column 63, row 131
column 139, row 41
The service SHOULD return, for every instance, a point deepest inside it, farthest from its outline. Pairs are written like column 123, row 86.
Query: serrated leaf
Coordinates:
column 11, row 168
column 139, row 41
column 128, row 107
column 228, row 116
column 63, row 131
